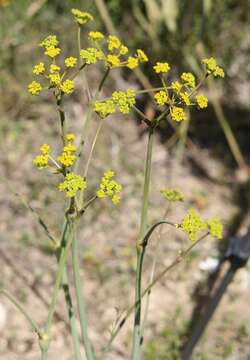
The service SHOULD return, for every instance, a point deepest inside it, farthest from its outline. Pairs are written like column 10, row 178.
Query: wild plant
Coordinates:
column 57, row 76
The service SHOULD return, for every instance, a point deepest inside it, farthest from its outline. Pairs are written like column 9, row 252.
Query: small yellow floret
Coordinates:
column 178, row 114
column 39, row 69
column 176, row 86
column 113, row 42
column 185, row 98
column 212, row 67
column 109, row 187
column 70, row 62
column 124, row 100
column 113, row 60
column 161, row 67
column 132, row 62
column 192, row 224
column 72, row 184
column 52, row 51
column 188, row 79
column 91, row 55
column 172, row 195
column 55, row 79
column 54, row 68
column 104, row 108
column 123, row 50
column 142, row 57
column 68, row 86
column 161, row 97
column 96, row 35
column 70, row 137
column 202, row 101
column 49, row 41
column 215, row 227
column 42, row 160
column 35, row 88
column 81, row 17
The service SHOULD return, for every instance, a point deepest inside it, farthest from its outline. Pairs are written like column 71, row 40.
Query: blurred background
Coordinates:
column 207, row 158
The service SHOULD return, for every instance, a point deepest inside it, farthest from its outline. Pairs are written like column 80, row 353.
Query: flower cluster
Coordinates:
column 172, row 195
column 81, row 17
column 188, row 79
column 51, row 74
column 192, row 224
column 42, row 159
column 71, row 184
column 123, row 100
column 215, row 227
column 68, row 156
column 109, row 187
column 91, row 55
column 161, row 97
column 178, row 114
column 161, row 68
column 202, row 101
column 213, row 68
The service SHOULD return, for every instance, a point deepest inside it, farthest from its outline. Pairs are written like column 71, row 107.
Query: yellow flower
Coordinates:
column 52, row 51
column 192, row 224
column 67, row 158
column 113, row 42
column 81, row 17
column 91, row 55
column 70, row 137
column 109, row 187
column 104, row 108
column 55, row 79
column 212, row 67
column 176, row 86
column 45, row 149
column 123, row 50
column 96, row 35
column 35, row 88
column 161, row 67
column 172, row 195
column 215, row 227
column 39, row 69
column 185, row 98
column 161, row 97
column 70, row 61
column 124, row 100
column 67, row 86
column 188, row 79
column 178, row 114
column 54, row 68
column 113, row 60
column 49, row 41
column 132, row 62
column 72, row 184
column 42, row 160
column 142, row 57
column 202, row 101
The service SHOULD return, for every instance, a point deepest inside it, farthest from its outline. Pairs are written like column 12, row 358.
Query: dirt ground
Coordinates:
column 107, row 238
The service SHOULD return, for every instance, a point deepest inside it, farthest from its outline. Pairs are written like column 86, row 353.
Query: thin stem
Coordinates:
column 152, row 274
column 101, row 121
column 130, row 310
column 61, row 112
column 11, row 298
column 79, row 57
column 140, row 249
column 68, row 301
column 80, row 300
column 88, row 119
column 66, row 243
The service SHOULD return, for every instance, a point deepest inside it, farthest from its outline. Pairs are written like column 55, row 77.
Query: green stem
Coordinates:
column 61, row 112
column 69, row 304
column 65, row 246
column 141, row 250
column 130, row 310
column 80, row 300
column 88, row 119
column 11, row 298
